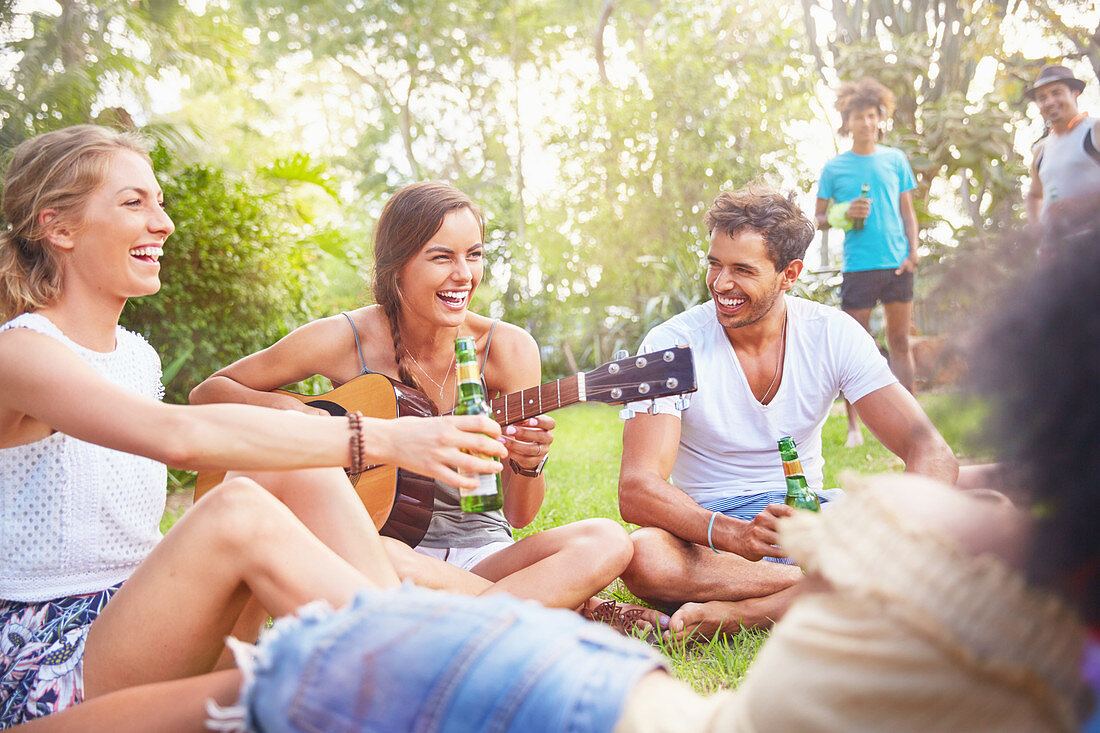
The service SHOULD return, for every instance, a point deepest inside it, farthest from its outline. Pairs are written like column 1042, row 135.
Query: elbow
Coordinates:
column 200, row 393
column 177, row 446
column 933, row 457
column 519, row 518
column 630, row 506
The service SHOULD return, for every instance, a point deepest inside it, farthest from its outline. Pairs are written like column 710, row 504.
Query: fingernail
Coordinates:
column 502, row 440
column 510, row 430
column 533, row 422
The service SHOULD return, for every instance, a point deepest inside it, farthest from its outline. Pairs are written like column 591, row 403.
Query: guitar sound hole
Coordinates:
column 330, row 407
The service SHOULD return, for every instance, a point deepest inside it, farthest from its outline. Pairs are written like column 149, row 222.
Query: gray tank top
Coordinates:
column 450, row 526
column 1069, row 165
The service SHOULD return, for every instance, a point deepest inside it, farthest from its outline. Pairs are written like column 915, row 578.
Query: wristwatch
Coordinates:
column 529, row 472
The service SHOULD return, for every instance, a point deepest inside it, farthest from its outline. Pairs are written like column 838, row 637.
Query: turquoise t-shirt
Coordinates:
column 881, row 244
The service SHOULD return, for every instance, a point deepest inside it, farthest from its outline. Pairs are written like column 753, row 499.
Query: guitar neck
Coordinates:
column 518, row 406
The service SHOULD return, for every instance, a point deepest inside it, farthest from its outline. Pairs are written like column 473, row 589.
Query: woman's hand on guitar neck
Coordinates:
column 529, row 441
column 436, row 446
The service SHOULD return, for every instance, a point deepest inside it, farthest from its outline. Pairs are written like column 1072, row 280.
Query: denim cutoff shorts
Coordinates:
column 746, row 506
column 409, row 659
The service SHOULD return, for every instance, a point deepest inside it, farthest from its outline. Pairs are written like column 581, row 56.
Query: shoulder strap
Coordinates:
column 488, row 343
column 358, row 346
column 1090, row 148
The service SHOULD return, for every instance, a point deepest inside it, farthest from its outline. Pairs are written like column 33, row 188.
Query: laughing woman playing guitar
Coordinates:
column 92, row 599
column 429, row 260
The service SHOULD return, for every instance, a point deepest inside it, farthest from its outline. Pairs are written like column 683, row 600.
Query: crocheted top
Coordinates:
column 976, row 610
column 76, row 517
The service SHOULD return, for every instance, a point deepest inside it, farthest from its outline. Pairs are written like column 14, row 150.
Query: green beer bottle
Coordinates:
column 471, row 401
column 799, row 494
column 857, row 224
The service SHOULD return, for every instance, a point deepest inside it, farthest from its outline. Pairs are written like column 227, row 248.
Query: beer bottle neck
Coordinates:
column 469, row 383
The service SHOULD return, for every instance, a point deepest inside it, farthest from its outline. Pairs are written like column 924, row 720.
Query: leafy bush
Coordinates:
column 234, row 278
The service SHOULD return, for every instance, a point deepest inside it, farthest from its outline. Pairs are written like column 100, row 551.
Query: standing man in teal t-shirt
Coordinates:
column 867, row 191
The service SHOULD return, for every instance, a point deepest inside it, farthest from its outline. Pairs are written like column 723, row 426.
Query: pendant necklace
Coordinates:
column 429, row 376
column 778, row 362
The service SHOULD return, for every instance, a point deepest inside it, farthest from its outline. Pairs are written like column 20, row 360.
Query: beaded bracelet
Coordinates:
column 356, row 447
column 710, row 529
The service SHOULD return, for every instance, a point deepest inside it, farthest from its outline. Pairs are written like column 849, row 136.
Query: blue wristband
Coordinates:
column 710, row 529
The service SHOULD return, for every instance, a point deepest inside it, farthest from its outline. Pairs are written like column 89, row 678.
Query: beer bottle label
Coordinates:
column 486, row 485
column 468, row 372
column 793, row 468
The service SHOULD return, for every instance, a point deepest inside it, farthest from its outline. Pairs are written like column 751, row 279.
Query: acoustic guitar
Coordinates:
column 400, row 502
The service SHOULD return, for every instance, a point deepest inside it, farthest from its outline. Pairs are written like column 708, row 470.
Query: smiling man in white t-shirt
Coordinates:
column 707, row 483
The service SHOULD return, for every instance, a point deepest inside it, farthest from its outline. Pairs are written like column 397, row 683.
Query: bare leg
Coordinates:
column 561, row 567
column 668, row 570
column 430, row 572
column 899, row 321
column 170, row 618
column 325, row 502
column 855, row 434
column 161, row 707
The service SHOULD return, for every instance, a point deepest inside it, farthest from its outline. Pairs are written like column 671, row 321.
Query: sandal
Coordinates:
column 628, row 619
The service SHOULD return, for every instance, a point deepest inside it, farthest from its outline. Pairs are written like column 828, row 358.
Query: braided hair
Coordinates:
column 408, row 221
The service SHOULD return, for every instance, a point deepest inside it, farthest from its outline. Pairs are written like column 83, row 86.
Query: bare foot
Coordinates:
column 855, row 437
column 705, row 620
column 629, row 619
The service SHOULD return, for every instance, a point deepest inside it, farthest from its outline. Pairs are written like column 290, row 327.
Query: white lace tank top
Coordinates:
column 76, row 517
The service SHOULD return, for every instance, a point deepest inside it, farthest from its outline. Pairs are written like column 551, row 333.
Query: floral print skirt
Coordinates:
column 42, row 654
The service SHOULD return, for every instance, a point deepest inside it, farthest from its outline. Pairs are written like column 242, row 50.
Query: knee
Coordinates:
column 239, row 513
column 649, row 569
column 605, row 544
column 602, row 546
column 898, row 343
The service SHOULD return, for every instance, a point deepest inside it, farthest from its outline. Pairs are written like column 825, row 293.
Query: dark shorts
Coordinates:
column 42, row 654
column 860, row 290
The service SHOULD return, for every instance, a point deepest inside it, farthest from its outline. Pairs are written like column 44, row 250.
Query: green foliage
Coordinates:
column 70, row 64
column 696, row 100
column 234, row 278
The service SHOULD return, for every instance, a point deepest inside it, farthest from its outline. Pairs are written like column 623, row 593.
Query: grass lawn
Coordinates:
column 583, row 474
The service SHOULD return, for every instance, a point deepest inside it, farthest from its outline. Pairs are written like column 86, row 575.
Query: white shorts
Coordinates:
column 464, row 557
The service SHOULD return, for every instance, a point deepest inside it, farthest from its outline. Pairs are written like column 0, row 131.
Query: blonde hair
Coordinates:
column 854, row 96
column 56, row 170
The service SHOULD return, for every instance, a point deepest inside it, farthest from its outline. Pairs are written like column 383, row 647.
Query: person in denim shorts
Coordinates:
column 412, row 659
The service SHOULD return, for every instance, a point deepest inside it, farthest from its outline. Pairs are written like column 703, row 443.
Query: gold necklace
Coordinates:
column 779, row 360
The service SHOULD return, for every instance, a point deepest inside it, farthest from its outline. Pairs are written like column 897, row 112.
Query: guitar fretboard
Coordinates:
column 518, row 406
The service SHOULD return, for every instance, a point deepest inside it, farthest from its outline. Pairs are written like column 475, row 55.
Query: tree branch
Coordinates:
column 597, row 40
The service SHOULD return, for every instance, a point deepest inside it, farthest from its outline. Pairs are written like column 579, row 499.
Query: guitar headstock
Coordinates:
column 642, row 377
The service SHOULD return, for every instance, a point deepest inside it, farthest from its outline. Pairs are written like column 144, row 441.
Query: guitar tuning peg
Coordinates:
column 682, row 403
column 620, row 354
column 626, row 413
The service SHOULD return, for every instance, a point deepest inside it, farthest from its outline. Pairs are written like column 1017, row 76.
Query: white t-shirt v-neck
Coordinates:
column 728, row 440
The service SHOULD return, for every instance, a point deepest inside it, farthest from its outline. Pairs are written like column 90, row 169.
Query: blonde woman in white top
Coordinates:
column 92, row 599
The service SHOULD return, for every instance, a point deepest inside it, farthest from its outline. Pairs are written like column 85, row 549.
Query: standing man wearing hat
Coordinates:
column 1065, row 169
